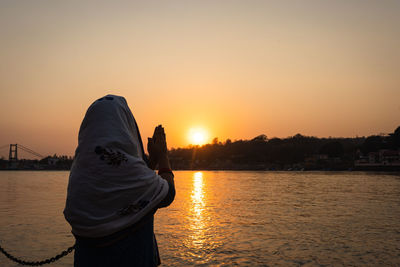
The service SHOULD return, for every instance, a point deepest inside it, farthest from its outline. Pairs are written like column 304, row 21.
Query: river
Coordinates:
column 225, row 218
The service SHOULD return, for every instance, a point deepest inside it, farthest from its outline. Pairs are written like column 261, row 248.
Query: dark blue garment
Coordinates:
column 135, row 249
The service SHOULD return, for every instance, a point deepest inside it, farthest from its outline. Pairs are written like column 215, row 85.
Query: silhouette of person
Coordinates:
column 113, row 191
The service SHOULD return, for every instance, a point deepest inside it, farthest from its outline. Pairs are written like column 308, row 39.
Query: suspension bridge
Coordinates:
column 13, row 151
column 21, row 157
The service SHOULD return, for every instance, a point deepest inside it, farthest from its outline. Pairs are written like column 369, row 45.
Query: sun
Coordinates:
column 198, row 136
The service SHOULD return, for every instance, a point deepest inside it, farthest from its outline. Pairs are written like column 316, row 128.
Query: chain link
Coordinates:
column 37, row 263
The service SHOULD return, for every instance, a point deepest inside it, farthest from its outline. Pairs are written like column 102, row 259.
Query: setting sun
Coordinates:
column 197, row 136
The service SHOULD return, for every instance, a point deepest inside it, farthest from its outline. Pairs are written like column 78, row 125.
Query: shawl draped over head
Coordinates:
column 110, row 185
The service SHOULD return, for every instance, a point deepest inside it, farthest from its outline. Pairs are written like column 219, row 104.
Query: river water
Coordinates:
column 223, row 218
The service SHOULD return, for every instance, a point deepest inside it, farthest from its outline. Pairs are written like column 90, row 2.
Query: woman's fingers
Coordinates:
column 159, row 137
column 149, row 141
column 159, row 131
column 150, row 144
column 156, row 129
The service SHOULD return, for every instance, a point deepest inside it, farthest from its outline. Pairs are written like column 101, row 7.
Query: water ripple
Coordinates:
column 230, row 219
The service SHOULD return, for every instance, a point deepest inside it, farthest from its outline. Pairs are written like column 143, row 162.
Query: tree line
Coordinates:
column 294, row 152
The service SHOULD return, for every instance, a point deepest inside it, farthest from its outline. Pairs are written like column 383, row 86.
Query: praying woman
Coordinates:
column 113, row 190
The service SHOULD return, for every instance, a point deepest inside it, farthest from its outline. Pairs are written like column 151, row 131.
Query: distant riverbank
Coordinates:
column 364, row 169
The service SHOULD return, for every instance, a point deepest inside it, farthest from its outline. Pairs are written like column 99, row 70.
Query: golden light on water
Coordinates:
column 197, row 193
column 198, row 224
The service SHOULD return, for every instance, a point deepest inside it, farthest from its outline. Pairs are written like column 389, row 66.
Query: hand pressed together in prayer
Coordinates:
column 158, row 155
column 157, row 146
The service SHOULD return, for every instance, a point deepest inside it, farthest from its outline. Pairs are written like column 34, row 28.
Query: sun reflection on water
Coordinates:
column 198, row 222
column 197, row 192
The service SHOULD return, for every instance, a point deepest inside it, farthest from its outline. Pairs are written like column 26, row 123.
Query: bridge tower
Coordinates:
column 13, row 156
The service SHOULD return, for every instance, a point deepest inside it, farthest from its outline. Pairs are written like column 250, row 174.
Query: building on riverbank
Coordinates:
column 379, row 160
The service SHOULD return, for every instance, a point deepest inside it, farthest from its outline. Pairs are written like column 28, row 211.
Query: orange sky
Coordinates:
column 236, row 68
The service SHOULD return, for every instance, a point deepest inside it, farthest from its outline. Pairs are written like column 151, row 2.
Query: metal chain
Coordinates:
column 37, row 263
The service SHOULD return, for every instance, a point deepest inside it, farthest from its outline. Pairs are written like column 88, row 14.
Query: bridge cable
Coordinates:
column 30, row 151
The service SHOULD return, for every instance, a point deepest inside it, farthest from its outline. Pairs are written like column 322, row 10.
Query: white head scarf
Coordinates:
column 110, row 186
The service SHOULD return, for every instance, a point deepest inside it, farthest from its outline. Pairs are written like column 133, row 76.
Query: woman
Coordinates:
column 113, row 192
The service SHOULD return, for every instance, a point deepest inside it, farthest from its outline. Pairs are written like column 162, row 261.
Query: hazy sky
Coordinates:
column 235, row 68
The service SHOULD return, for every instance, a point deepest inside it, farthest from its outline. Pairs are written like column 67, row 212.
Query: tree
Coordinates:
column 332, row 149
column 260, row 138
column 215, row 141
column 396, row 137
column 372, row 144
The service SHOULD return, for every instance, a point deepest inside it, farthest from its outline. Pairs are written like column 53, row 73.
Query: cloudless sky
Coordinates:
column 235, row 68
